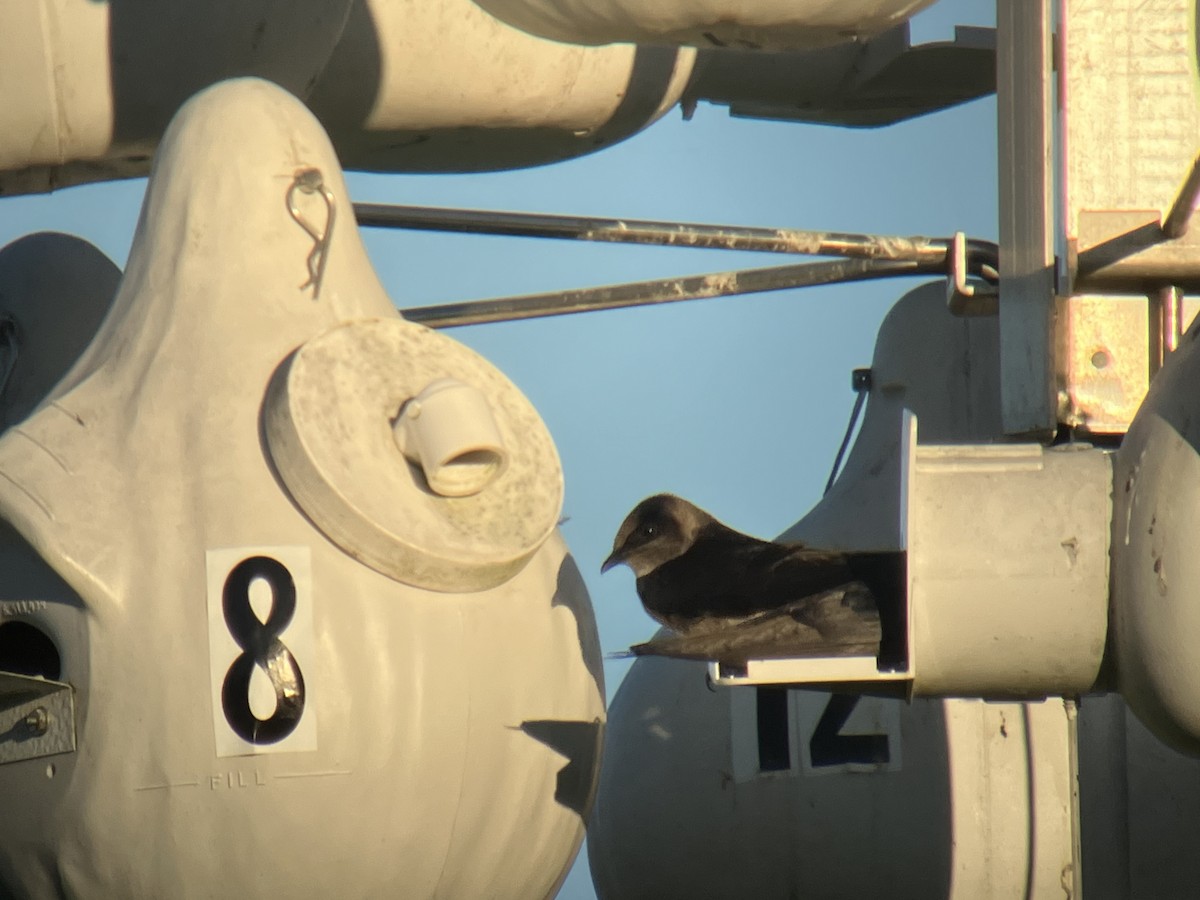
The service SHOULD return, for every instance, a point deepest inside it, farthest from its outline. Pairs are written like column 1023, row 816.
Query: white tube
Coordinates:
column 448, row 430
column 740, row 24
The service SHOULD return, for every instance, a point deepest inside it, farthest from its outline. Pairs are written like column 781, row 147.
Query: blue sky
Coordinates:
column 736, row 403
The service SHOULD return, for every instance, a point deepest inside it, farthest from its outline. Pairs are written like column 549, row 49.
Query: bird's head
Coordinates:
column 659, row 529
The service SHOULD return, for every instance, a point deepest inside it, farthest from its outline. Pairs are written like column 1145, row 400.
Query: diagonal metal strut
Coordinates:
column 863, row 256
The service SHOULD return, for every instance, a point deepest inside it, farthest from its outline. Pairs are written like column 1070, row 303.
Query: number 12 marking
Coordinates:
column 829, row 747
column 847, row 733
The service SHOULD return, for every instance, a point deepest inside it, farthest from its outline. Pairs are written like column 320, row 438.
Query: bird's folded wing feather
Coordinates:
column 729, row 575
column 842, row 621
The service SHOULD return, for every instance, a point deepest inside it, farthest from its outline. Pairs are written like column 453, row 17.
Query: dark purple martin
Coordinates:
column 729, row 595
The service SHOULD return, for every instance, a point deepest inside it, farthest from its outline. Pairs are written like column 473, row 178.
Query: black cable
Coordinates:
column 861, row 382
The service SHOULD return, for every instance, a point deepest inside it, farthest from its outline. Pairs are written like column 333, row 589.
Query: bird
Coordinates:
column 743, row 595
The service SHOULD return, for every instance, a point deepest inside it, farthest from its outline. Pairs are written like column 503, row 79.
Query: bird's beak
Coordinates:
column 614, row 559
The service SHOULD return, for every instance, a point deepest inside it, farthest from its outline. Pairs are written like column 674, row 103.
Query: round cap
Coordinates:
column 329, row 416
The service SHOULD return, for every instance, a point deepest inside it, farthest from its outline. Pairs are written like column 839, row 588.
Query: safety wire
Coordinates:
column 861, row 382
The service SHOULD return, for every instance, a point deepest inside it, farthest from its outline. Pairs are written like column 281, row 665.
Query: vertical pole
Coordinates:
column 1023, row 89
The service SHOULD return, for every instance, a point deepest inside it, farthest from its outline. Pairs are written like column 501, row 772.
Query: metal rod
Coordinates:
column 1172, row 318
column 1154, row 333
column 1175, row 225
column 670, row 290
column 671, row 234
column 1164, row 325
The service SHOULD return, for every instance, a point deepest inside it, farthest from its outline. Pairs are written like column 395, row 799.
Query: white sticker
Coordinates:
column 262, row 652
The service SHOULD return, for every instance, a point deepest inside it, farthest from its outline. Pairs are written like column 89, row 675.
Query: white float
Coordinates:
column 439, row 86
column 754, row 25
column 257, row 712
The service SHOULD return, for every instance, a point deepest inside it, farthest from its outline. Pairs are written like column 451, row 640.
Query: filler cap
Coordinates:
column 465, row 514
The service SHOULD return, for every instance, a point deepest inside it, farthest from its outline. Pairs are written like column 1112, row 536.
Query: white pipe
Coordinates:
column 449, row 431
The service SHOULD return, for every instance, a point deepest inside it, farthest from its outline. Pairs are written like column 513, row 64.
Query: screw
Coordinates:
column 37, row 722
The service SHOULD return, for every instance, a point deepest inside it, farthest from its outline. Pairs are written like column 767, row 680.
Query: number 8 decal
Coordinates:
column 262, row 648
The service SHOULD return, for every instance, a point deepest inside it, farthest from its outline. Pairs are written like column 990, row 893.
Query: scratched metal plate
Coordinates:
column 29, row 705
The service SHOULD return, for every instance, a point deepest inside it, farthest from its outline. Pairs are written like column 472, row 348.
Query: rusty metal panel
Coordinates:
column 1105, row 359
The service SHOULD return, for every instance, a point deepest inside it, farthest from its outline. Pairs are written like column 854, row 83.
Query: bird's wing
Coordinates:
column 728, row 574
column 841, row 621
column 843, row 615
column 798, row 571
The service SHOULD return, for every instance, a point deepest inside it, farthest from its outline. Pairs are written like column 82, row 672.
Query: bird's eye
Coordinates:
column 649, row 530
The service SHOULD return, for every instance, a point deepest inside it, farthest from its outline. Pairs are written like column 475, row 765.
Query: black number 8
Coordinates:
column 261, row 647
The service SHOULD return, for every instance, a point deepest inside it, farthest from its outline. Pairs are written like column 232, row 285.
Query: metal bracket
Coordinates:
column 1127, row 252
column 1139, row 251
column 843, row 671
column 37, row 718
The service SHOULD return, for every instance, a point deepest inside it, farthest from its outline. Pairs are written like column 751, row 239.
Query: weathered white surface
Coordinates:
column 456, row 734
column 1011, row 780
column 1132, row 120
column 775, row 24
column 973, row 801
column 442, row 86
column 1156, row 570
column 85, row 81
column 1008, row 561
